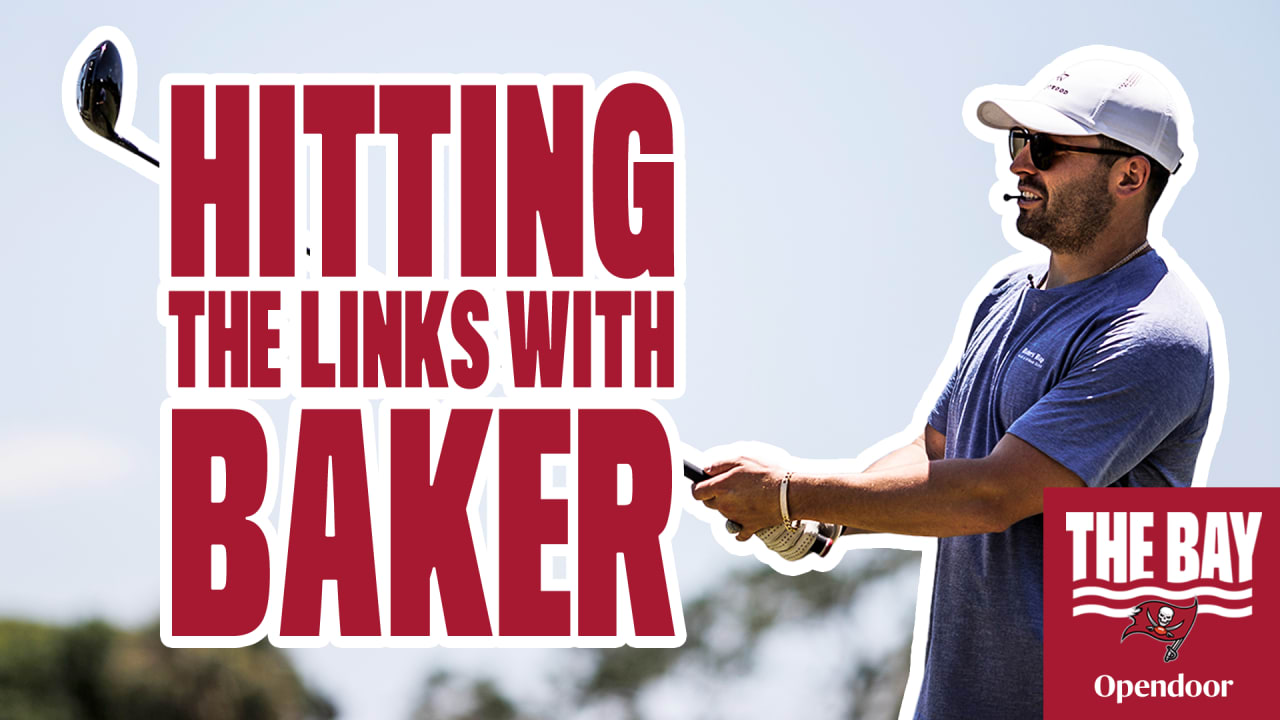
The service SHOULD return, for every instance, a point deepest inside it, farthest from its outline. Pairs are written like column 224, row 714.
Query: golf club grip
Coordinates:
column 697, row 475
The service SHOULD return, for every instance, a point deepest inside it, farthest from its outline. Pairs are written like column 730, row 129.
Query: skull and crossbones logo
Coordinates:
column 1160, row 624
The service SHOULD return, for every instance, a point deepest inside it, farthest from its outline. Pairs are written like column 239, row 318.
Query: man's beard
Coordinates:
column 1069, row 222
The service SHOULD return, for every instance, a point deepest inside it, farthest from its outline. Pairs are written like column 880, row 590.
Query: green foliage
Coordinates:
column 93, row 671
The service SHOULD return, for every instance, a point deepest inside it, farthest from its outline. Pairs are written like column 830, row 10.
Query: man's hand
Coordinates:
column 745, row 491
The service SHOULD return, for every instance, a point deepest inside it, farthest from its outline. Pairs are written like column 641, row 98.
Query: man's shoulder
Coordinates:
column 1153, row 304
column 1147, row 326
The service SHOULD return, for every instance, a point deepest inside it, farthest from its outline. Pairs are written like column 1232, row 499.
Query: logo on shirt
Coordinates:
column 1032, row 357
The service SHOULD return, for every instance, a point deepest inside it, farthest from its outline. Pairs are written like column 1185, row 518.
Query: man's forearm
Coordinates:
column 938, row 498
column 911, row 454
column 914, row 453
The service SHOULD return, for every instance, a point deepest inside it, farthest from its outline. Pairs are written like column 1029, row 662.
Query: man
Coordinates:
column 1093, row 370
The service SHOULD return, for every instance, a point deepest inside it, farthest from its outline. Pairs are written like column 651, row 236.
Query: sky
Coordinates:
column 837, row 219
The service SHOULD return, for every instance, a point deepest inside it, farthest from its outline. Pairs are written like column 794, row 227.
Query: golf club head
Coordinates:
column 98, row 96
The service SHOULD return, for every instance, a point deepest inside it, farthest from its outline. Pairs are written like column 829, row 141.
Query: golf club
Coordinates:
column 98, row 96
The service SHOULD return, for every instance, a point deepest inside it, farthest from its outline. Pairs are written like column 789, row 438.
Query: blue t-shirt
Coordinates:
column 1112, row 377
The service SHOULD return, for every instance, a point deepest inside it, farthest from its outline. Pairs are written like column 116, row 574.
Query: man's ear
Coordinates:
column 1130, row 175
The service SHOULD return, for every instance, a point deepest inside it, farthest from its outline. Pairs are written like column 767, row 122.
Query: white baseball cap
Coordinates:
column 1097, row 97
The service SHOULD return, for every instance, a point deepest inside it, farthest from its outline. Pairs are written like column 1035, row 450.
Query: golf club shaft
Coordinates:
column 134, row 149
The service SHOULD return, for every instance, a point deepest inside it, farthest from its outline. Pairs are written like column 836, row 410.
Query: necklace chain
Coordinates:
column 1136, row 252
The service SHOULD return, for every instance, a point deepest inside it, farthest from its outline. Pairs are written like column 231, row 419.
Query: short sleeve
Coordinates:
column 1118, row 402
column 938, row 418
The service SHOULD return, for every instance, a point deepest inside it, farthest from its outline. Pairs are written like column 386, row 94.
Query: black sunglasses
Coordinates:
column 1043, row 149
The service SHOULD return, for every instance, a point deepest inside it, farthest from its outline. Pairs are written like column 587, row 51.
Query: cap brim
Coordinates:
column 1005, row 114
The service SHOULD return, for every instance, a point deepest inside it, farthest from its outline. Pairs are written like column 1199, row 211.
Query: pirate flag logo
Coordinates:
column 1159, row 620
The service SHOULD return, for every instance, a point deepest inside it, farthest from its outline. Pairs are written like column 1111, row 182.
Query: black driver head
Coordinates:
column 98, row 99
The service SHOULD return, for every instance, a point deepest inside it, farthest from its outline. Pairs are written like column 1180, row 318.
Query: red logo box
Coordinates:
column 1161, row 603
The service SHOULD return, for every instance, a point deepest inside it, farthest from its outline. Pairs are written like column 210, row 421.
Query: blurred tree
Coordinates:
column 93, row 671
column 726, row 629
column 456, row 698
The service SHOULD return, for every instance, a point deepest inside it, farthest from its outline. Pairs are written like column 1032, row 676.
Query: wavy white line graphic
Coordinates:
column 1245, row 611
column 1162, row 593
